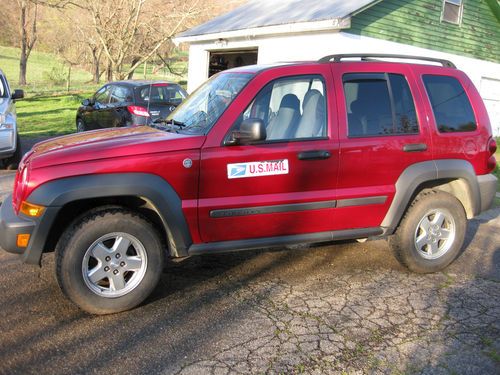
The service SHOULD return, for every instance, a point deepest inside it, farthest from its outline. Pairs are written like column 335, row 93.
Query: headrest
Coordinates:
column 290, row 101
column 309, row 95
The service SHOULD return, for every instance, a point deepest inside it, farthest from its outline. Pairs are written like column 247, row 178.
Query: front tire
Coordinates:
column 109, row 261
column 431, row 234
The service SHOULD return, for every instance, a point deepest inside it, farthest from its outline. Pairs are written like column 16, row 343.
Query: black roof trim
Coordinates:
column 374, row 56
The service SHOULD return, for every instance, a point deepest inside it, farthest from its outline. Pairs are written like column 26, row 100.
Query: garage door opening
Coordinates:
column 223, row 60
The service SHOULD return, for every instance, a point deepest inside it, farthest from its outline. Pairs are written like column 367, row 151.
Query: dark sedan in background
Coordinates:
column 129, row 103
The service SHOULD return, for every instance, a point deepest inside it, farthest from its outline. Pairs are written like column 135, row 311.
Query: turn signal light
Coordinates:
column 23, row 240
column 32, row 210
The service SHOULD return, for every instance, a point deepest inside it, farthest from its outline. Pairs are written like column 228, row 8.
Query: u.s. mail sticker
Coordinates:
column 257, row 168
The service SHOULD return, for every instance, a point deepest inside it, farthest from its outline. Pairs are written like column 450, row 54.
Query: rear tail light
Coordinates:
column 492, row 148
column 138, row 111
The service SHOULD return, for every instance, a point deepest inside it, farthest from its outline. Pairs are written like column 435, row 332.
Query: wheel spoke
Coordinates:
column 445, row 234
column 100, row 251
column 433, row 248
column 121, row 245
column 438, row 219
column 421, row 241
column 116, row 282
column 97, row 273
column 133, row 263
column 425, row 225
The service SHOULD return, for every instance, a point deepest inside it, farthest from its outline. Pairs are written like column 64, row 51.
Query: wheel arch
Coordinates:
column 454, row 176
column 148, row 194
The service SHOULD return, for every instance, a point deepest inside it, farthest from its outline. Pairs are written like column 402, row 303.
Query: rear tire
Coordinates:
column 431, row 234
column 109, row 261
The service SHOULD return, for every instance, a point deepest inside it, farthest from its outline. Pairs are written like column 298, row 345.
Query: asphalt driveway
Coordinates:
column 343, row 308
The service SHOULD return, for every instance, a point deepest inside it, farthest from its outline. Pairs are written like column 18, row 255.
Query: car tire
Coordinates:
column 80, row 126
column 109, row 260
column 431, row 234
column 13, row 162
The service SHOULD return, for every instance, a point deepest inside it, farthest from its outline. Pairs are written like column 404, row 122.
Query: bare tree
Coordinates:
column 28, row 13
column 130, row 33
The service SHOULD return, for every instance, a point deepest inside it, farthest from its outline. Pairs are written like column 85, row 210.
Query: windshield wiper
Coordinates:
column 180, row 124
column 169, row 124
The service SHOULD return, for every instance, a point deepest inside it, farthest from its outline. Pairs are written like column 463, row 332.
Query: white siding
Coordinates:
column 312, row 46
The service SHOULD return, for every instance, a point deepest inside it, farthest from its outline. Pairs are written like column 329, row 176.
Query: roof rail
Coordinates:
column 373, row 56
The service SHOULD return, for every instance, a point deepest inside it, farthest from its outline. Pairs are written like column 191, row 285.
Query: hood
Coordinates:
column 109, row 143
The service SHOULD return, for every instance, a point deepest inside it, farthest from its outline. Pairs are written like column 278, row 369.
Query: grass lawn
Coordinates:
column 48, row 115
column 46, row 74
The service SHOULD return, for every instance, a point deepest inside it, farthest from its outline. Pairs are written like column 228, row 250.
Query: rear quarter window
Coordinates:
column 450, row 104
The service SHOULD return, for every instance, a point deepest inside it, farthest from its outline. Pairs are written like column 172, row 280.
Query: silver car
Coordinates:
column 10, row 148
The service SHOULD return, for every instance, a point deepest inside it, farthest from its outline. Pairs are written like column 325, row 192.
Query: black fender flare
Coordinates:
column 420, row 173
column 154, row 189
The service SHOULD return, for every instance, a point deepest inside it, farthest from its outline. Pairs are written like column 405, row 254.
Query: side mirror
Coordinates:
column 17, row 94
column 251, row 130
column 87, row 102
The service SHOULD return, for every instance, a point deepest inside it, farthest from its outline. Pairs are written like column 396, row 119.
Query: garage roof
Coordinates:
column 265, row 13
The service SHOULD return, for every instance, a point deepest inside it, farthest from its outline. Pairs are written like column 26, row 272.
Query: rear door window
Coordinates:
column 379, row 104
column 450, row 104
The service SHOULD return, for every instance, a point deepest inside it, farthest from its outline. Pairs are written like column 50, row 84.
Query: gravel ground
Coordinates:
column 344, row 308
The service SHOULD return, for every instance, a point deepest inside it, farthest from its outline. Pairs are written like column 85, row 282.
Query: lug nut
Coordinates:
column 115, row 272
column 118, row 256
column 107, row 259
column 122, row 264
column 106, row 269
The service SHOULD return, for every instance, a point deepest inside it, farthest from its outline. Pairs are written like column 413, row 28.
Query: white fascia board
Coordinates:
column 290, row 28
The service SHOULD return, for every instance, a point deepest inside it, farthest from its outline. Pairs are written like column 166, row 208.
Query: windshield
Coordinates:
column 203, row 108
column 3, row 91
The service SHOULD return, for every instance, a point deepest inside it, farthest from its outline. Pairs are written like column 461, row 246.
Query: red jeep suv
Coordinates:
column 348, row 147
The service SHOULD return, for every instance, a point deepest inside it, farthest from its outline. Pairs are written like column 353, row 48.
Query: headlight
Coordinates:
column 20, row 186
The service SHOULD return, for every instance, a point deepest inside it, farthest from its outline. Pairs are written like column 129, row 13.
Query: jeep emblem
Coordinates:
column 187, row 163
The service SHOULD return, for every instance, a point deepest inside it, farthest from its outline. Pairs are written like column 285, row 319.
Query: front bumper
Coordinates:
column 487, row 188
column 11, row 225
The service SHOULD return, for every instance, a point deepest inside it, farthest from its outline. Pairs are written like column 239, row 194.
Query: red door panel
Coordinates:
column 370, row 165
column 296, row 202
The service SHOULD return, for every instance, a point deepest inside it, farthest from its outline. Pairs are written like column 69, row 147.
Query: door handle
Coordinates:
column 314, row 155
column 415, row 147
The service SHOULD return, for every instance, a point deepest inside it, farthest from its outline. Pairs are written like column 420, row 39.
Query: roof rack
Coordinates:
column 373, row 56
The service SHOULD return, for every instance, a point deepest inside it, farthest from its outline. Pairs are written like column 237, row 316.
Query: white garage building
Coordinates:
column 467, row 32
